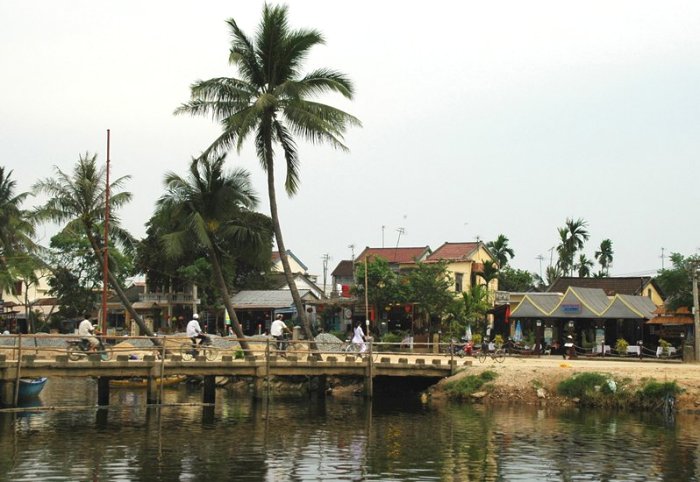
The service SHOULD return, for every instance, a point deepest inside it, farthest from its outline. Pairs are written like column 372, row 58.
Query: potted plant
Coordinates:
column 621, row 346
column 498, row 341
column 664, row 346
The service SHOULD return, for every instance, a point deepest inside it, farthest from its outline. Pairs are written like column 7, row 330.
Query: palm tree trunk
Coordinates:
column 227, row 301
column 120, row 291
column 283, row 252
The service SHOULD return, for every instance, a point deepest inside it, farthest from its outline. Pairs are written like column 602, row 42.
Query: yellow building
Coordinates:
column 465, row 261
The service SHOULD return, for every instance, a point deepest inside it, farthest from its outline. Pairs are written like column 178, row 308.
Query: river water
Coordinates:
column 334, row 439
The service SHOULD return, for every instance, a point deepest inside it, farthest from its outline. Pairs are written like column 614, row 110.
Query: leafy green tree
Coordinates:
column 77, row 201
column 516, row 280
column 270, row 101
column 383, row 285
column 604, row 255
column 489, row 272
column 677, row 282
column 476, row 303
column 211, row 204
column 429, row 286
column 501, row 250
column 584, row 266
column 552, row 273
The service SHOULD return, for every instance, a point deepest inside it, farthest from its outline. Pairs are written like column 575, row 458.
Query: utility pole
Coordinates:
column 325, row 259
column 383, row 235
column 352, row 252
column 663, row 257
column 696, row 312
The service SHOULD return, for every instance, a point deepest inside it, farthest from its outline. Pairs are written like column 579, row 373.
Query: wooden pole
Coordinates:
column 162, row 371
column 105, row 254
column 366, row 296
column 19, row 368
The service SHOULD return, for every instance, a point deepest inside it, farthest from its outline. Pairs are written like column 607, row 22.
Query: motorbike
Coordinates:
column 78, row 349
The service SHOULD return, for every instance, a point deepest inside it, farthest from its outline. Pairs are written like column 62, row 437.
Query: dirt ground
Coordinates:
column 519, row 378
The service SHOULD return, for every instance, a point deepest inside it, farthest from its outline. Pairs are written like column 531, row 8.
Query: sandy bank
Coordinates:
column 519, row 378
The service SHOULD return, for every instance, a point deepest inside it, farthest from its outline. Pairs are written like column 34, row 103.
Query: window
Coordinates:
column 649, row 293
column 17, row 288
column 459, row 279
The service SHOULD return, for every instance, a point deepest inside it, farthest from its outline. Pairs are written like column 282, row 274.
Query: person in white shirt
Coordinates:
column 359, row 337
column 86, row 331
column 194, row 332
column 277, row 331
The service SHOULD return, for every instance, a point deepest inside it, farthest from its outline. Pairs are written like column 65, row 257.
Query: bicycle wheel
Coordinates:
column 73, row 352
column 351, row 348
column 482, row 357
column 186, row 352
column 106, row 353
column 499, row 356
column 211, row 353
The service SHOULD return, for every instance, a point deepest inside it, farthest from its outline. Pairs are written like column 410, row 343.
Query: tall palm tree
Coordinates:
column 16, row 228
column 604, row 255
column 270, row 102
column 77, row 200
column 573, row 236
column 501, row 250
column 584, row 266
column 208, row 204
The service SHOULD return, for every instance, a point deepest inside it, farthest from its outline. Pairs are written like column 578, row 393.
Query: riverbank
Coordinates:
column 518, row 379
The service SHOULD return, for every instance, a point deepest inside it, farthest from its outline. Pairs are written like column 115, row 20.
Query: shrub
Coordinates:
column 390, row 341
column 238, row 354
column 498, row 341
column 664, row 346
column 476, row 339
column 582, row 384
column 464, row 387
column 659, row 390
column 621, row 346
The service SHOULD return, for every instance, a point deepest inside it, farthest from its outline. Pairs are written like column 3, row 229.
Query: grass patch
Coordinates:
column 582, row 384
column 466, row 386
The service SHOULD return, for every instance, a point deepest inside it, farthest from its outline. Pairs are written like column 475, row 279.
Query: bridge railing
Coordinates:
column 48, row 346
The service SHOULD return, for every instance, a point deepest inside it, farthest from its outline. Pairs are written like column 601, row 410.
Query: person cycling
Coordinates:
column 277, row 331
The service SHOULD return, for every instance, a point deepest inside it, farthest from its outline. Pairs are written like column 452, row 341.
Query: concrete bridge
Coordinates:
column 153, row 364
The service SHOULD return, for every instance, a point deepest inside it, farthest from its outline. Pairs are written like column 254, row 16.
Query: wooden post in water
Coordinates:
column 209, row 389
column 102, row 391
column 19, row 370
column 369, row 385
column 162, row 371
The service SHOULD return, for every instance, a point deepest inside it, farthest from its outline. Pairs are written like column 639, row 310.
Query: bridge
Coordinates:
column 32, row 356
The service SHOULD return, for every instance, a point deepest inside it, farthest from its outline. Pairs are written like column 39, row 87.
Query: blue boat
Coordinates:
column 30, row 388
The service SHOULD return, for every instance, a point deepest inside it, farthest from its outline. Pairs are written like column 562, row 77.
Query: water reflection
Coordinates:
column 333, row 439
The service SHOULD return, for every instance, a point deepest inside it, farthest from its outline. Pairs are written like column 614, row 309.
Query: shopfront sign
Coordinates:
column 571, row 308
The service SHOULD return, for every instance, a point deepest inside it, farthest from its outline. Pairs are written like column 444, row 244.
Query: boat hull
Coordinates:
column 30, row 388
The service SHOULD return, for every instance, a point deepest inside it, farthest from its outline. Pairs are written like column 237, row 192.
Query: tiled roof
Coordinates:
column 395, row 255
column 454, row 251
column 251, row 299
column 344, row 269
column 611, row 286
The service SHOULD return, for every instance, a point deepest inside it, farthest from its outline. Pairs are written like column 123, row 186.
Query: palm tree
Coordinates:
column 270, row 101
column 78, row 201
column 604, row 255
column 572, row 238
column 584, row 266
column 16, row 228
column 208, row 205
column 501, row 250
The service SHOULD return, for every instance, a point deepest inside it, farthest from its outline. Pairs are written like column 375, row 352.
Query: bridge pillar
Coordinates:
column 7, row 393
column 102, row 391
column 209, row 389
column 152, row 391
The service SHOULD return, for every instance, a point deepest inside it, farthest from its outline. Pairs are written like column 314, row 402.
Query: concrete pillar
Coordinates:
column 152, row 391
column 209, row 389
column 7, row 393
column 102, row 391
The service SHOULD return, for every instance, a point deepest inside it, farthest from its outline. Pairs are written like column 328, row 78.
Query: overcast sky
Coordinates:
column 479, row 118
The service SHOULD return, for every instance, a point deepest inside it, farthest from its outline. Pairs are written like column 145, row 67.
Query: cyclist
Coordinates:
column 359, row 337
column 277, row 331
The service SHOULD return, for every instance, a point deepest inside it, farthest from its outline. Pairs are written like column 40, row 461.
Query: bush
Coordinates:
column 390, row 341
column 654, row 390
column 498, row 341
column 476, row 339
column 664, row 346
column 464, row 387
column 582, row 384
column 238, row 354
column 621, row 346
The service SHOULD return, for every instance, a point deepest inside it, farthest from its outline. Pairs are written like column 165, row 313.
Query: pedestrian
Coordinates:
column 359, row 337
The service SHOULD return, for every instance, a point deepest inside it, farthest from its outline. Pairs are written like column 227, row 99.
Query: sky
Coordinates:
column 479, row 118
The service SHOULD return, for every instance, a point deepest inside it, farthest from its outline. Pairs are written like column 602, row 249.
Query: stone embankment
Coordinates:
column 534, row 380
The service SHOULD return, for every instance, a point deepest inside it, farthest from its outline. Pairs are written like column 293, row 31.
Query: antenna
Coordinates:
column 663, row 257
column 383, row 235
column 352, row 251
column 400, row 231
column 325, row 259
column 540, row 258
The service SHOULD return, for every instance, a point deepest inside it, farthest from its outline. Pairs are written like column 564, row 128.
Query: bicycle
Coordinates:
column 188, row 351
column 497, row 355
